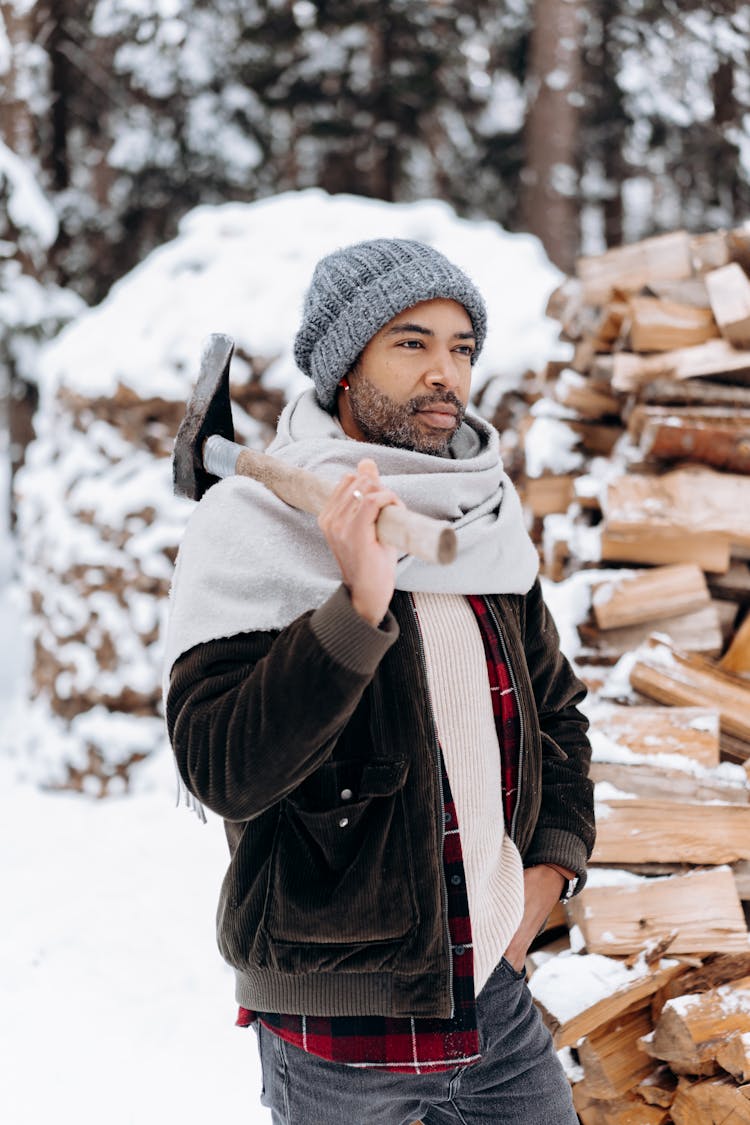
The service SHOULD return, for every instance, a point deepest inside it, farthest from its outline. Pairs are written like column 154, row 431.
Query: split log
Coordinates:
column 692, row 291
column 715, row 1102
column 663, row 325
column 724, row 417
column 547, row 494
column 666, row 392
column 650, row 831
column 622, row 918
column 692, row 1027
column 710, row 550
column 729, row 294
column 637, row 597
column 588, row 974
column 665, row 674
column 733, row 1055
column 721, row 447
column 577, row 393
column 625, row 1110
column 698, row 632
column 665, row 257
column 716, row 970
column 609, row 326
column 690, row 731
column 716, row 357
column 600, row 333
column 667, row 784
column 736, row 660
column 611, row 1059
column 692, row 499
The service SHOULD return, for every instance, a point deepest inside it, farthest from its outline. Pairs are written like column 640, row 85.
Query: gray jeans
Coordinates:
column 519, row 1080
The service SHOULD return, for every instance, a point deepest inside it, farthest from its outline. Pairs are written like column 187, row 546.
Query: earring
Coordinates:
column 344, row 383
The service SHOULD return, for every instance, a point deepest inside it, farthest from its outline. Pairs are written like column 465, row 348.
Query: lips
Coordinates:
column 442, row 417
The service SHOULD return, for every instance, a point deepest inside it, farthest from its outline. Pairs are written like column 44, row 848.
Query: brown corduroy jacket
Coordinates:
column 335, row 906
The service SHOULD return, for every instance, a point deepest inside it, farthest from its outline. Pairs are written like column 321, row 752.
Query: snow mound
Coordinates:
column 243, row 269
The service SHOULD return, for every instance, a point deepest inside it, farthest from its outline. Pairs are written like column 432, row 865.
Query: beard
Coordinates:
column 384, row 421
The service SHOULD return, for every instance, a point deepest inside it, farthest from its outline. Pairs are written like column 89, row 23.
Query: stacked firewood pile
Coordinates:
column 100, row 527
column 651, row 424
column 637, row 477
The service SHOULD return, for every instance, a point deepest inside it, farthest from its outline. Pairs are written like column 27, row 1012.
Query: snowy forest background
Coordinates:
column 173, row 167
column 586, row 123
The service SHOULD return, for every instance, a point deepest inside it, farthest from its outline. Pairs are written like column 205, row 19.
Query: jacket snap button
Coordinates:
column 455, row 879
column 459, row 950
column 343, row 822
column 346, row 794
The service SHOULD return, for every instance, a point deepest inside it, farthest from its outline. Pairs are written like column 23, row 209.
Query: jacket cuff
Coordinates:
column 552, row 845
column 348, row 638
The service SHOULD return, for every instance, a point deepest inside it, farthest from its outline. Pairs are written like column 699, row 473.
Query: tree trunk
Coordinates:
column 615, row 170
column 16, row 127
column 550, row 176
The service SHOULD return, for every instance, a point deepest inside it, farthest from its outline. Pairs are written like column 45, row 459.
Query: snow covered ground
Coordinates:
column 116, row 1006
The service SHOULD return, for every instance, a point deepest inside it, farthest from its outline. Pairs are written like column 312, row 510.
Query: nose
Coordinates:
column 443, row 371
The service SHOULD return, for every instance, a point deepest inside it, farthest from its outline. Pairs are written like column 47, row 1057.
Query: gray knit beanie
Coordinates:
column 357, row 290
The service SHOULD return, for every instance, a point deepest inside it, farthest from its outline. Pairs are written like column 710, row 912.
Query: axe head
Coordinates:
column 209, row 411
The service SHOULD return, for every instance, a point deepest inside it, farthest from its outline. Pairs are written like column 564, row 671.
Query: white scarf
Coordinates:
column 250, row 562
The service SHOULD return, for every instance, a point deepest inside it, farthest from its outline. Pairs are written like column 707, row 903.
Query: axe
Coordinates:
column 205, row 450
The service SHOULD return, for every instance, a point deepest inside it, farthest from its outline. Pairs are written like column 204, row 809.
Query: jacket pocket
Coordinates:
column 341, row 869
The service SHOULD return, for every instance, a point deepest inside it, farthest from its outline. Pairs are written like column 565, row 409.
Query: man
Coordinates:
column 395, row 747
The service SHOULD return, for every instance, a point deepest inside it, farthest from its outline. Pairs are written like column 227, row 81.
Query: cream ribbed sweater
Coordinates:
column 462, row 706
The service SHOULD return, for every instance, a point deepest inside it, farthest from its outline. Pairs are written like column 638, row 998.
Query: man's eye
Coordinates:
column 411, row 344
column 465, row 349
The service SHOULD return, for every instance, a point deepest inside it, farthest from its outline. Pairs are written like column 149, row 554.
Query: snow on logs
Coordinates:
column 100, row 526
column 636, row 476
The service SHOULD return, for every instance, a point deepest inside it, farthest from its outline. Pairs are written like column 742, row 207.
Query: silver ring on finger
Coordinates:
column 357, row 494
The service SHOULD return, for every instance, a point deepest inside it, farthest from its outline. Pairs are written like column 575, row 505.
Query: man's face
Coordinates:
column 411, row 383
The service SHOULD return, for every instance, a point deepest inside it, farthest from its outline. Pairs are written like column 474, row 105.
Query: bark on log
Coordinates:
column 674, row 440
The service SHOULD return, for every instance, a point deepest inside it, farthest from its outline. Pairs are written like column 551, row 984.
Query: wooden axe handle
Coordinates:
column 410, row 532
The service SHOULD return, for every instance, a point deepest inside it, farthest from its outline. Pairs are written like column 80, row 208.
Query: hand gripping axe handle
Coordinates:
column 205, row 450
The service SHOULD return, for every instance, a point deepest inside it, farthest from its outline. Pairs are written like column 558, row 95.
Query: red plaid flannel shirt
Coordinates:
column 424, row 1045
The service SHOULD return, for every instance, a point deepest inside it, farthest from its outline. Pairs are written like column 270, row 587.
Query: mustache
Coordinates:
column 424, row 402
